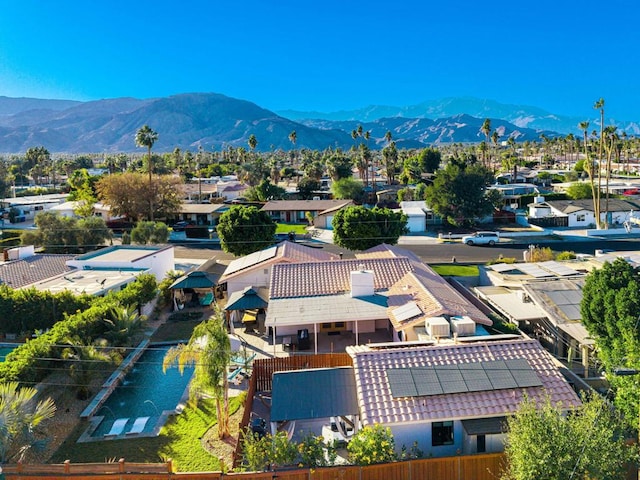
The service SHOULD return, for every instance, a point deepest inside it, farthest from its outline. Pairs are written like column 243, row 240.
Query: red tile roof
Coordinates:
column 378, row 405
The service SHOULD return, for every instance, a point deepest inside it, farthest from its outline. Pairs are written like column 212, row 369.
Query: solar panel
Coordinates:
column 558, row 268
column 533, row 270
column 462, row 378
column 502, row 267
column 251, row 260
column 406, row 311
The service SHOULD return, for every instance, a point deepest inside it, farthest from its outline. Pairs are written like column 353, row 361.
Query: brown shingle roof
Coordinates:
column 19, row 273
column 304, row 205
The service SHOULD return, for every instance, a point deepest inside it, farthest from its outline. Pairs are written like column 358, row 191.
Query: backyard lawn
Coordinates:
column 453, row 270
column 299, row 228
column 182, row 439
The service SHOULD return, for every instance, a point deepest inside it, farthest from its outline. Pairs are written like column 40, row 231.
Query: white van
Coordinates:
column 481, row 238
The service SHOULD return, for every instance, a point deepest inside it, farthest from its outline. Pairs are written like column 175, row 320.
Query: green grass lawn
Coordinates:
column 179, row 440
column 453, row 270
column 299, row 228
column 177, row 330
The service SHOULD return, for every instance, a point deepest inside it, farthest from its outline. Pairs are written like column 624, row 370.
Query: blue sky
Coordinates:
column 327, row 55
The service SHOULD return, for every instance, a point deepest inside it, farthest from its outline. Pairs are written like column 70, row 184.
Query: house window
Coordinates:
column 481, row 444
column 441, row 433
column 581, row 217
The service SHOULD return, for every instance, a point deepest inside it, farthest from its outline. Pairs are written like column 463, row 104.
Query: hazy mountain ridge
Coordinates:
column 519, row 115
column 213, row 121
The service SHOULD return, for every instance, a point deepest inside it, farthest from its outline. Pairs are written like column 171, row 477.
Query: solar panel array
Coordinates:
column 251, row 260
column 461, row 378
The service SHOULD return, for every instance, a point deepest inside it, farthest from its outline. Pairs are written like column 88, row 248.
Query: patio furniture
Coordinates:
column 138, row 425
column 117, row 428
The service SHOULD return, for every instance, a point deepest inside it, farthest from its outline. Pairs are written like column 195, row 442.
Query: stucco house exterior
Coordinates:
column 453, row 398
column 580, row 213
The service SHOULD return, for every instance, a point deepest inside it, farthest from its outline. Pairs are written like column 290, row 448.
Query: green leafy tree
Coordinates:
column 609, row 310
column 245, row 229
column 58, row 234
column 579, row 190
column 150, row 232
column 371, row 445
column 459, row 193
column 544, row 442
column 82, row 192
column 209, row 350
column 348, row 189
column 265, row 191
column 307, row 186
column 20, row 416
column 359, row 228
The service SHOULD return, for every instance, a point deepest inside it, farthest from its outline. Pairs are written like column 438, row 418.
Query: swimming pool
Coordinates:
column 6, row 349
column 143, row 400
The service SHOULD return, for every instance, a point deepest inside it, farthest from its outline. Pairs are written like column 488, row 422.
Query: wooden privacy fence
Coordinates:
column 263, row 369
column 472, row 467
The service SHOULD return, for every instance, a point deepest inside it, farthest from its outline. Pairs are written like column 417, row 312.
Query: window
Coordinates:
column 581, row 217
column 481, row 444
column 441, row 433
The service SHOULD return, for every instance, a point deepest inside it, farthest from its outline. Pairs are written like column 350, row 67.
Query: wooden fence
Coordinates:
column 263, row 369
column 474, row 467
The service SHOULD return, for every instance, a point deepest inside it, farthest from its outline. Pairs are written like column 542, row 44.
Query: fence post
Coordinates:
column 121, row 464
column 170, row 465
column 67, row 466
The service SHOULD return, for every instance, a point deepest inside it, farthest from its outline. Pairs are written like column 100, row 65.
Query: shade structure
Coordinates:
column 248, row 299
column 195, row 279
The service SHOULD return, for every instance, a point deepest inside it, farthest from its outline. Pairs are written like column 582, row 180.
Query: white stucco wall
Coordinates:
column 258, row 277
column 406, row 434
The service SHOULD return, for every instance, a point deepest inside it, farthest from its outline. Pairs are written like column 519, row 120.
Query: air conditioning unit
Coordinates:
column 524, row 296
column 438, row 327
column 463, row 326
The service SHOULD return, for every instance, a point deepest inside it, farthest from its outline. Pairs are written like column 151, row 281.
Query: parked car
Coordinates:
column 481, row 238
column 180, row 226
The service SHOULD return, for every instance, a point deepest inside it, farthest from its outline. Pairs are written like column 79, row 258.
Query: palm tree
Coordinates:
column 209, row 350
column 589, row 167
column 388, row 137
column 599, row 104
column 84, row 362
column 124, row 324
column 486, row 129
column 293, row 138
column 145, row 137
column 253, row 142
column 19, row 417
column 610, row 147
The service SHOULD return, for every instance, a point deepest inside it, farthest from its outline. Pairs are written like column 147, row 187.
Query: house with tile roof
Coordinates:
column 254, row 270
column 454, row 398
column 385, row 288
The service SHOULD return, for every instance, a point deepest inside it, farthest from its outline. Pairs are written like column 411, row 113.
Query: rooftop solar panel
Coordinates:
column 407, row 311
column 462, row 378
column 503, row 267
column 558, row 268
column 534, row 270
column 251, row 260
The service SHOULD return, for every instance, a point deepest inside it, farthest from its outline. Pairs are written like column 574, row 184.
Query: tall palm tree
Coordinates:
column 146, row 137
column 599, row 105
column 610, row 147
column 123, row 325
column 486, row 130
column 589, row 167
column 19, row 416
column 209, row 350
column 253, row 142
column 293, row 138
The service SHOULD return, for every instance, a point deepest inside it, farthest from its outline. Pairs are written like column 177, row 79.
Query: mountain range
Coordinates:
column 214, row 121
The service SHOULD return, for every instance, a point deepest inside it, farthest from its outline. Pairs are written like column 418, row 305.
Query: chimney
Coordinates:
column 362, row 283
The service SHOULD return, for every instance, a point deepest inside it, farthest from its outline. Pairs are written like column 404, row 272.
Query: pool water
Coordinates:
column 145, row 391
column 6, row 349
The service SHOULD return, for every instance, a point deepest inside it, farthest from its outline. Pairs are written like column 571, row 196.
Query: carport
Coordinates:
column 315, row 394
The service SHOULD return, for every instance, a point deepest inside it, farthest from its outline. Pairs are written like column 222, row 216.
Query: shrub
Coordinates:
column 372, row 444
column 566, row 256
column 314, row 453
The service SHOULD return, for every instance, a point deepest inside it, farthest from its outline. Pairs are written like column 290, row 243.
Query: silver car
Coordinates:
column 481, row 238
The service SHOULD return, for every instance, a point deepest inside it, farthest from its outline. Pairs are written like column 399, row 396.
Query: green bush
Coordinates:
column 372, row 444
column 566, row 256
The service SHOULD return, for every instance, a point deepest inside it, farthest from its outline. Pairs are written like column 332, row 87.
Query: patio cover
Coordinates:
column 195, row 279
column 248, row 299
column 313, row 393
